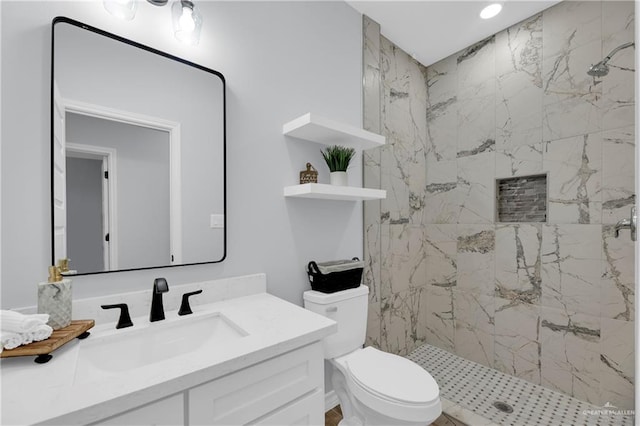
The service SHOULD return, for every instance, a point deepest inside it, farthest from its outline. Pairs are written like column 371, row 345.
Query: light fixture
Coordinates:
column 491, row 11
column 187, row 21
column 186, row 17
column 123, row 9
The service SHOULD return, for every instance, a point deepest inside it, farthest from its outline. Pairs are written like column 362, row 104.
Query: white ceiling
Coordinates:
column 431, row 30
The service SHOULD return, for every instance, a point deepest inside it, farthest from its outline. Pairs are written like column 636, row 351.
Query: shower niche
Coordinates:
column 521, row 199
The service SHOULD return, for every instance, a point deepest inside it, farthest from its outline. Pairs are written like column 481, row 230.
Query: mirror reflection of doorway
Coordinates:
column 88, row 208
column 119, row 194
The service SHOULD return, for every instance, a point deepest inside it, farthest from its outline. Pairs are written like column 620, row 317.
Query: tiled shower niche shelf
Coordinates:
column 522, row 199
column 333, row 192
column 314, row 128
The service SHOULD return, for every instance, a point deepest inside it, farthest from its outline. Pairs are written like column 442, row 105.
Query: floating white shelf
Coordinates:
column 328, row 132
column 333, row 192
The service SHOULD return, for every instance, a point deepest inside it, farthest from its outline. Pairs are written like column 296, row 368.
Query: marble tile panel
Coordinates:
column 617, row 363
column 474, row 326
column 403, row 327
column 371, row 159
column 442, row 80
column 518, row 111
column 476, row 126
column 519, row 84
column 476, row 259
column 575, row 179
column 572, row 100
column 441, row 199
column 617, row 292
column 371, row 70
column 442, row 128
column 404, row 98
column 439, row 317
column 371, row 275
column 404, row 259
column 394, row 208
column 476, row 188
column 440, row 249
column 571, row 268
column 517, row 339
column 570, row 24
column 374, row 321
column 618, row 90
column 518, row 263
column 618, row 174
column 519, row 49
column 521, row 160
column 571, row 354
column 618, row 20
column 476, row 69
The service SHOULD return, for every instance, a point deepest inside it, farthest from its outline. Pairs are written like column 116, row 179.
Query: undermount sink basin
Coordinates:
column 128, row 349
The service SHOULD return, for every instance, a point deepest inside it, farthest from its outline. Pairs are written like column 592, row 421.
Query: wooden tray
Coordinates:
column 43, row 348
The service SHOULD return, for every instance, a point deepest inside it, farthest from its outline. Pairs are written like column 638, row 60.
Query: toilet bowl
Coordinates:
column 374, row 387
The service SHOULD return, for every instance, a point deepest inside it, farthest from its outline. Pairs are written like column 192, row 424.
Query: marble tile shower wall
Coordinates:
column 548, row 302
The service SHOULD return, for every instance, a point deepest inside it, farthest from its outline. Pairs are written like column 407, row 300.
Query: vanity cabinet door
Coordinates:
column 256, row 393
column 166, row 411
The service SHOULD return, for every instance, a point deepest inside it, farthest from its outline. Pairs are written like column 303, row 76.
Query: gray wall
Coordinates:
column 142, row 190
column 84, row 214
column 280, row 60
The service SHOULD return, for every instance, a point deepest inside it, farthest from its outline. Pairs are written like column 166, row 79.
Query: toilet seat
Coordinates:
column 391, row 384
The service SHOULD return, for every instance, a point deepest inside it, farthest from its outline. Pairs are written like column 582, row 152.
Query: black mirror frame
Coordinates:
column 62, row 19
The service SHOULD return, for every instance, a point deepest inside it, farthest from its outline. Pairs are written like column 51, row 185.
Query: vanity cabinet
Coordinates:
column 285, row 390
column 166, row 411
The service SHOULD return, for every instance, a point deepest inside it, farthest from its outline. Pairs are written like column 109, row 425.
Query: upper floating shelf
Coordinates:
column 318, row 129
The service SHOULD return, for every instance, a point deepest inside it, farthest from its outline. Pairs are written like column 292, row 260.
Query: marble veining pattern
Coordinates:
column 549, row 302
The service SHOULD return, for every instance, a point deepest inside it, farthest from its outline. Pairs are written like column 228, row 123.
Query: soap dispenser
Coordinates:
column 54, row 298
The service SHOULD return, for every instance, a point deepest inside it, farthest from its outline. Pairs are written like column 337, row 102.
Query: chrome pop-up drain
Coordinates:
column 503, row 406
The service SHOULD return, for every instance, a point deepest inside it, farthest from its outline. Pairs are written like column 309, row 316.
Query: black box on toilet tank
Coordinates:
column 337, row 275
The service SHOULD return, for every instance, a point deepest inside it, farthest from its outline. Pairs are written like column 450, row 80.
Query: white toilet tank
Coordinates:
column 349, row 309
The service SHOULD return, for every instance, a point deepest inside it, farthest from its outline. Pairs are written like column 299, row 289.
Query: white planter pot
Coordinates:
column 339, row 178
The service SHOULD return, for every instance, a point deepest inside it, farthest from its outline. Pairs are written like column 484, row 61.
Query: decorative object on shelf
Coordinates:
column 337, row 158
column 55, row 299
column 310, row 175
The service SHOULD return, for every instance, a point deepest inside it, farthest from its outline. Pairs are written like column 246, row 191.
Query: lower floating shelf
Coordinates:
column 333, row 192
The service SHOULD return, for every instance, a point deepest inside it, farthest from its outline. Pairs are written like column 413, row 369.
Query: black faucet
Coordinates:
column 125, row 319
column 160, row 286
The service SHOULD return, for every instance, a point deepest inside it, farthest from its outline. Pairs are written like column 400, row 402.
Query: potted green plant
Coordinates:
column 337, row 158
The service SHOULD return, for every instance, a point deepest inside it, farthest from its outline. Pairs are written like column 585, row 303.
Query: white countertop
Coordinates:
column 55, row 394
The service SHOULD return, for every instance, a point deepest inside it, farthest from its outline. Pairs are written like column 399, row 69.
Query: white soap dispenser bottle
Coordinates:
column 55, row 299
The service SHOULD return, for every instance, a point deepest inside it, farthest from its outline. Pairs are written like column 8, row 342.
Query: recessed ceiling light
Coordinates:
column 491, row 11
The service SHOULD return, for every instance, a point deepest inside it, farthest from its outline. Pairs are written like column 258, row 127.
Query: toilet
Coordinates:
column 374, row 387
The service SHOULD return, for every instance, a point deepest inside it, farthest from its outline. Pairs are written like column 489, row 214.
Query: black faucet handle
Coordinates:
column 160, row 285
column 125, row 319
column 185, row 308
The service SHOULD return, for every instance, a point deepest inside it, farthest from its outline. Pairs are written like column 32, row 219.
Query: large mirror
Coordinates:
column 138, row 155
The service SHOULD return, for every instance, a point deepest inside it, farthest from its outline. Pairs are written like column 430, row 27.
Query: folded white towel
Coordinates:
column 20, row 323
column 10, row 340
column 41, row 332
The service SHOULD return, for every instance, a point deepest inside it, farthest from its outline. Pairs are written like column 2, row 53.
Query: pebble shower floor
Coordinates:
column 476, row 388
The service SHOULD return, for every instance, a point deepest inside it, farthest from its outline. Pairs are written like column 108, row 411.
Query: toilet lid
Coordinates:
column 392, row 377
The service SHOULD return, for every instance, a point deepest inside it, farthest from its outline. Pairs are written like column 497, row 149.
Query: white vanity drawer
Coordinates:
column 167, row 411
column 247, row 395
column 300, row 412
